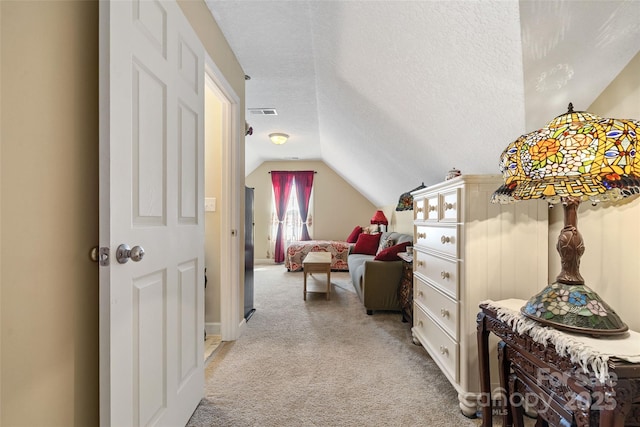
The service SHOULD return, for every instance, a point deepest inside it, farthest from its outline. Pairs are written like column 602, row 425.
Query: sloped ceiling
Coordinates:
column 391, row 94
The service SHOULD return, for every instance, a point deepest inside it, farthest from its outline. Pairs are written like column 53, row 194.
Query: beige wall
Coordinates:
column 337, row 206
column 1, row 145
column 49, row 205
column 612, row 238
column 49, row 213
column 400, row 222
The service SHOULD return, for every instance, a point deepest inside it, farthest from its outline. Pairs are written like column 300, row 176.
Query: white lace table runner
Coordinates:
column 592, row 354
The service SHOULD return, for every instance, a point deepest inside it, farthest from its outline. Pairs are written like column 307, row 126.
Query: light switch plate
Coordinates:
column 209, row 204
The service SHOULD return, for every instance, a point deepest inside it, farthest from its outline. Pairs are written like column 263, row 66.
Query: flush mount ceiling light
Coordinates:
column 278, row 138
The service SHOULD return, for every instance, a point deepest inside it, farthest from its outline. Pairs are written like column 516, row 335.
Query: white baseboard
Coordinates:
column 212, row 328
column 263, row 261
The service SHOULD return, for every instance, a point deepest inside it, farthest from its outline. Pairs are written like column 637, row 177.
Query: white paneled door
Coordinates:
column 151, row 197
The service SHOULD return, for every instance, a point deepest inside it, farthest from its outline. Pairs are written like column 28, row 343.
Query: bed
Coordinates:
column 296, row 251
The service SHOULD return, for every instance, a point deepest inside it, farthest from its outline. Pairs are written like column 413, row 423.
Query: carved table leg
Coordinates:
column 540, row 422
column 515, row 403
column 485, row 374
column 505, row 369
column 612, row 410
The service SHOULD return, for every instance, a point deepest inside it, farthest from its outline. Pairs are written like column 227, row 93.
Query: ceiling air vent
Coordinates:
column 263, row 111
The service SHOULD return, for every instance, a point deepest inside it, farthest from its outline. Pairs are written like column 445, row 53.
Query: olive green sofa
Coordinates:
column 377, row 282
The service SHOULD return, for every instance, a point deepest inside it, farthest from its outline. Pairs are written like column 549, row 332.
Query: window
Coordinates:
column 291, row 203
column 292, row 224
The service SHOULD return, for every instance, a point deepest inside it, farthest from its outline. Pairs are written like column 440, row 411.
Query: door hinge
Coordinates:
column 100, row 255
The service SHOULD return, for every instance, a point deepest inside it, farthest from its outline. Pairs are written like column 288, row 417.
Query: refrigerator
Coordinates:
column 249, row 308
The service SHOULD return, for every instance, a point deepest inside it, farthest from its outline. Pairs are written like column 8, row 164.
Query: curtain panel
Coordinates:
column 282, row 182
column 304, row 183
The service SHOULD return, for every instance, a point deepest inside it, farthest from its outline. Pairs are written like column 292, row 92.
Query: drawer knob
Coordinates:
column 420, row 263
column 444, row 274
column 420, row 324
column 445, row 239
column 420, row 293
column 448, row 206
column 432, row 208
column 420, row 209
column 444, row 350
column 422, row 235
column 444, row 312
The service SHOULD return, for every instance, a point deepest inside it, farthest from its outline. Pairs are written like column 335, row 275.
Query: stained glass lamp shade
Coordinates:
column 576, row 157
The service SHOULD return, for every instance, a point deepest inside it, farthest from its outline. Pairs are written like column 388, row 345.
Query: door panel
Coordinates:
column 151, row 195
column 190, row 332
column 149, row 146
column 150, row 336
column 188, row 185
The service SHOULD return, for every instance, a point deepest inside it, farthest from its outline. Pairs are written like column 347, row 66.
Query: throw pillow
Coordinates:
column 391, row 254
column 353, row 237
column 385, row 242
column 366, row 244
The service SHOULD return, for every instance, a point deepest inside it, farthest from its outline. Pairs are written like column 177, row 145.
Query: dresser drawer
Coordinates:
column 449, row 203
column 442, row 308
column 441, row 271
column 442, row 348
column 441, row 239
column 419, row 208
column 432, row 207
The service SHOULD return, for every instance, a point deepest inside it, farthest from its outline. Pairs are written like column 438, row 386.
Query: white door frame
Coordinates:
column 231, row 319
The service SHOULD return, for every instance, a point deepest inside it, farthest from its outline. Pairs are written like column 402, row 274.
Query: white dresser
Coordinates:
column 467, row 250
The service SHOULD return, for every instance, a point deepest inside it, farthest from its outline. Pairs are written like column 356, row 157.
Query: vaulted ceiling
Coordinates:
column 390, row 94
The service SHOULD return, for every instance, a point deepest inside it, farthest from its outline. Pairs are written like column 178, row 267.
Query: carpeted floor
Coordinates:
column 323, row 363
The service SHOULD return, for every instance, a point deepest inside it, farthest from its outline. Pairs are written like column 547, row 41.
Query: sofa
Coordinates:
column 376, row 281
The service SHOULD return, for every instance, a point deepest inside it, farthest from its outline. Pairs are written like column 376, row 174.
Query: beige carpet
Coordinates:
column 211, row 344
column 323, row 363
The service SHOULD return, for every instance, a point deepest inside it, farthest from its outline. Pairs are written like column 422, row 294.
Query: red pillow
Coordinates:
column 391, row 254
column 353, row 237
column 367, row 244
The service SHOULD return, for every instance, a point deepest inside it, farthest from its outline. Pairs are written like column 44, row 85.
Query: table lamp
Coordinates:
column 576, row 157
column 380, row 219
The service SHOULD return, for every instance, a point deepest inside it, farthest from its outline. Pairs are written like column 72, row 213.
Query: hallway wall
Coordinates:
column 49, row 205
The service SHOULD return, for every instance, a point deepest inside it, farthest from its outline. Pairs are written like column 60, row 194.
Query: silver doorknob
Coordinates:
column 123, row 253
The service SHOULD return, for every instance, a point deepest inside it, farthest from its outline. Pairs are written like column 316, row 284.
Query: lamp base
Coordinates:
column 574, row 308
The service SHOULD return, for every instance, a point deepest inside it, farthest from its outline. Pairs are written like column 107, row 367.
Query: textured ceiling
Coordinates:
column 390, row 94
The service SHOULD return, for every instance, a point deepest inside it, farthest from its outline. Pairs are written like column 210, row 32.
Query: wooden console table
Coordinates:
column 560, row 390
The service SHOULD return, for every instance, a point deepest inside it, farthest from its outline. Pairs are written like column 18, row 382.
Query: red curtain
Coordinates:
column 282, row 182
column 304, row 182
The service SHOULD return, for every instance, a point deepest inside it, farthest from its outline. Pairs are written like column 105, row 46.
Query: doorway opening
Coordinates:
column 222, row 213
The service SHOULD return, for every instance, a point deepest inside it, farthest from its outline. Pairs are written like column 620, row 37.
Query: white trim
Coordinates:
column 212, row 328
column 230, row 256
column 104, row 178
column 215, row 328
